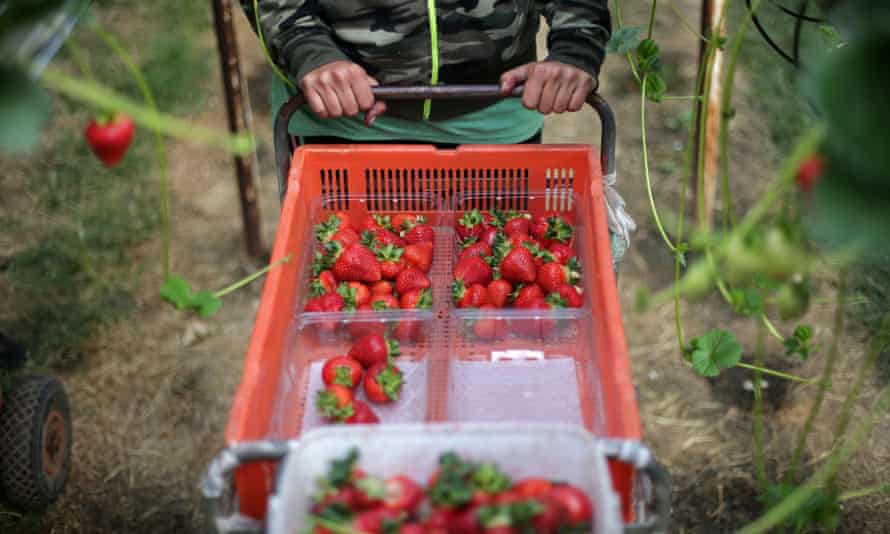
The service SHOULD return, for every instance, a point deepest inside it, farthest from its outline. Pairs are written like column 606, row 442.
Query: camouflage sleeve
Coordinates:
column 579, row 31
column 297, row 37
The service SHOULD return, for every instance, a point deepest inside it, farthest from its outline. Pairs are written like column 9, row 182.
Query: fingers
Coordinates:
column 378, row 109
column 514, row 77
column 553, row 87
column 337, row 89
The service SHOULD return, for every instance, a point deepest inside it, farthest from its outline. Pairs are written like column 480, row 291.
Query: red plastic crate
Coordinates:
column 272, row 397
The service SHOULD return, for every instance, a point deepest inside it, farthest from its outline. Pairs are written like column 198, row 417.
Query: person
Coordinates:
column 334, row 52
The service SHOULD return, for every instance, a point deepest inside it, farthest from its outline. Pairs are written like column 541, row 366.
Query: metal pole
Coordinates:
column 239, row 121
column 711, row 10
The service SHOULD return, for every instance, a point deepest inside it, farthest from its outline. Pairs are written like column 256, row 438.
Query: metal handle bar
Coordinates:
column 218, row 484
column 435, row 92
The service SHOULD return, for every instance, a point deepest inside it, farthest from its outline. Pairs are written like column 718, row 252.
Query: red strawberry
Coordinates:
column 402, row 494
column 469, row 297
column 575, row 504
column 498, row 293
column 385, row 237
column 541, row 255
column 519, row 240
column 470, row 224
column 420, row 233
column 412, row 278
column 329, row 302
column 489, row 328
column 325, row 283
column 539, row 227
column 363, row 414
column 334, row 403
column 413, row 528
column 482, row 250
column 383, row 382
column 384, row 302
column 416, row 299
column 374, row 521
column 489, row 235
column 552, row 275
column 527, row 294
column 110, row 137
column 391, row 261
column 362, row 293
column 346, row 237
column 374, row 222
column 566, row 296
column 519, row 266
column 357, row 263
column 343, row 217
column 562, row 252
column 472, row 270
column 810, row 171
column 557, row 231
column 372, row 349
column 381, row 288
column 343, row 371
column 408, row 331
column 517, row 226
column 405, row 221
column 420, row 255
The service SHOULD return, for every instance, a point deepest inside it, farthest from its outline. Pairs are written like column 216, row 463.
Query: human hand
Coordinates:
column 550, row 86
column 341, row 88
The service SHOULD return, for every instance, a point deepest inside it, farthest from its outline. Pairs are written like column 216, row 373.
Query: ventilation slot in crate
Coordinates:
column 484, row 185
column 560, row 186
column 335, row 188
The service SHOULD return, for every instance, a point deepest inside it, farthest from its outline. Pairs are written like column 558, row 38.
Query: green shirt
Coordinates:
column 505, row 122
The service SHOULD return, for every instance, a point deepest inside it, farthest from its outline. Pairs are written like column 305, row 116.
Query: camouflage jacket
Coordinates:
column 476, row 40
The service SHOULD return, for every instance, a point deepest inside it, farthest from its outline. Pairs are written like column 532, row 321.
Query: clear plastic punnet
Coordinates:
column 558, row 452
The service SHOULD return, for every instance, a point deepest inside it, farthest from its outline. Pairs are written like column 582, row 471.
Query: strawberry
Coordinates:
column 345, row 221
column 469, row 297
column 374, row 521
column 382, row 287
column 383, row 382
column 573, row 502
column 325, row 230
column 408, row 331
column 343, row 371
column 324, row 283
column 525, row 294
column 566, row 296
column 373, row 349
column 416, row 299
column 541, row 255
column 412, row 278
column 489, row 328
column 374, row 222
column 362, row 414
column 420, row 255
column 552, row 275
column 519, row 240
column 329, row 302
column 334, row 403
column 489, row 235
column 470, row 224
column 482, row 250
column 346, row 237
column 498, row 293
column 325, row 258
column 472, row 270
column 362, row 293
column 391, row 261
column 810, row 171
column 403, row 222
column 350, row 296
column 357, row 263
column 539, row 227
column 519, row 266
column 537, row 327
column 519, row 225
column 384, row 302
column 419, row 234
column 557, row 231
column 562, row 252
column 385, row 237
column 110, row 137
column 402, row 494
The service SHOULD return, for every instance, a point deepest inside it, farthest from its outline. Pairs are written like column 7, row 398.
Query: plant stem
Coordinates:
column 681, row 97
column 864, row 492
column 658, row 223
column 773, row 372
column 244, row 281
column 652, row 18
column 771, row 328
column 103, row 98
column 800, row 496
column 759, row 454
column 80, row 59
column 159, row 146
column 259, row 32
column 824, row 383
column 876, row 347
column 691, row 29
column 619, row 25
column 726, row 105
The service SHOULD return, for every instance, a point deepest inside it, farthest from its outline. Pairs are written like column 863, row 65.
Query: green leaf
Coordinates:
column 176, row 291
column 25, row 108
column 799, row 342
column 747, row 301
column 625, row 40
column 714, row 352
column 206, row 303
column 820, row 512
column 655, row 87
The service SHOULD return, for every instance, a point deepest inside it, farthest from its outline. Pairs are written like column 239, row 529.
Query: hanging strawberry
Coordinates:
column 109, row 137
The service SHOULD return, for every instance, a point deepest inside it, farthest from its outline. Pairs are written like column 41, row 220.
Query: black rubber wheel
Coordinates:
column 35, row 442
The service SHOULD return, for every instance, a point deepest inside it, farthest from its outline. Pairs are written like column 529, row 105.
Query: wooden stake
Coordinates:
column 711, row 10
column 239, row 121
